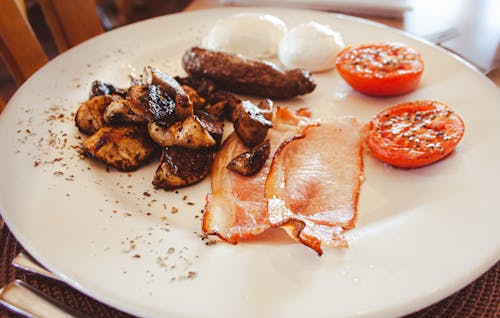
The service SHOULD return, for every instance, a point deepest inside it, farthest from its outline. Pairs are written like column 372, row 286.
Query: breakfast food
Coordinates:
column 246, row 76
column 99, row 88
column 250, row 162
column 190, row 133
column 123, row 147
column 309, row 186
column 414, row 134
column 159, row 111
column 278, row 168
column 180, row 167
column 89, row 117
column 159, row 98
column 250, row 122
column 385, row 69
column 314, row 181
column 119, row 111
column 254, row 35
column 127, row 126
column 236, row 208
column 311, row 46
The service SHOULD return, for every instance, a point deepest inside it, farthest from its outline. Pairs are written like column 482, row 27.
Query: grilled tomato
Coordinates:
column 414, row 134
column 385, row 69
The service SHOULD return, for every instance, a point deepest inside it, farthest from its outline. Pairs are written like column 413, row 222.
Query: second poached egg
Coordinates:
column 312, row 46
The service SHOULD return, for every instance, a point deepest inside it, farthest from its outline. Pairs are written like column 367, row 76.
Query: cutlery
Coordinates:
column 25, row 262
column 28, row 301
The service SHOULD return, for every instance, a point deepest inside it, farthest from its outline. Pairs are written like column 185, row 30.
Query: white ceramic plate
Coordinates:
column 421, row 234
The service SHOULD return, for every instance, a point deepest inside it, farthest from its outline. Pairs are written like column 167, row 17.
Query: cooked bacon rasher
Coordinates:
column 314, row 181
column 236, row 209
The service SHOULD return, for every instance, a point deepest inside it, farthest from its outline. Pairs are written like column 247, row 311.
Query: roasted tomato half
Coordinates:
column 385, row 69
column 414, row 134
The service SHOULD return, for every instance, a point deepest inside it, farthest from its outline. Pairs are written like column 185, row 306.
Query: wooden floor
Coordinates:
column 142, row 9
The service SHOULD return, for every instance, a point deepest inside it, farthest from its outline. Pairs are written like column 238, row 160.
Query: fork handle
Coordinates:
column 31, row 302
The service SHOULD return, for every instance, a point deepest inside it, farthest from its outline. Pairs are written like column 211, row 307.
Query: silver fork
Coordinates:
column 28, row 301
column 26, row 263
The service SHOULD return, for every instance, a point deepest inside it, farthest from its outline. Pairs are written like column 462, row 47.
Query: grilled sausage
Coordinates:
column 242, row 75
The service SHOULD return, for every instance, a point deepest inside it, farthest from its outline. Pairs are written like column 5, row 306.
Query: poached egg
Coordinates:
column 254, row 35
column 312, row 46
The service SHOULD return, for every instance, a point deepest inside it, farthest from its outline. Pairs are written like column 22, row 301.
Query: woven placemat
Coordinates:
column 479, row 299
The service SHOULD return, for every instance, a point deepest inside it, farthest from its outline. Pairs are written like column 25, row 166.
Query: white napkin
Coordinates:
column 381, row 8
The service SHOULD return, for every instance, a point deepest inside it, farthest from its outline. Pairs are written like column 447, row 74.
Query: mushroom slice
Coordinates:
column 213, row 124
column 119, row 112
column 205, row 87
column 250, row 124
column 222, row 102
column 194, row 97
column 124, row 148
column 180, row 167
column 189, row 133
column 218, row 109
column 266, row 107
column 152, row 103
column 89, row 117
column 99, row 88
column 184, row 107
column 250, row 162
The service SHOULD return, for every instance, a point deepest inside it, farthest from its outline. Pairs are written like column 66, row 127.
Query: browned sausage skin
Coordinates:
column 246, row 76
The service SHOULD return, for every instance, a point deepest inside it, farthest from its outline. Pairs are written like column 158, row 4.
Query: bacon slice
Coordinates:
column 314, row 182
column 236, row 209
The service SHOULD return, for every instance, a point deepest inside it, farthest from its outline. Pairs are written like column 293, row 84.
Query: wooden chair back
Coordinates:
column 71, row 22
column 19, row 45
column 2, row 104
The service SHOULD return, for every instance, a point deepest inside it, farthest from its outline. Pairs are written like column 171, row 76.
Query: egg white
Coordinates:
column 312, row 46
column 254, row 35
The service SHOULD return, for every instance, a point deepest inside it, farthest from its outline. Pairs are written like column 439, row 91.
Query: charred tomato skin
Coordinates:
column 414, row 134
column 385, row 69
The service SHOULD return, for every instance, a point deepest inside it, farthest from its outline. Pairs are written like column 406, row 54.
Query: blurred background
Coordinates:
column 469, row 28
column 113, row 13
